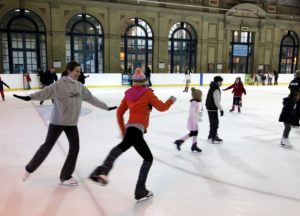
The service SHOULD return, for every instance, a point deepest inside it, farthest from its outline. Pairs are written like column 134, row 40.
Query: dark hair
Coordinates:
column 218, row 79
column 64, row 73
column 293, row 94
column 71, row 65
column 239, row 78
column 51, row 68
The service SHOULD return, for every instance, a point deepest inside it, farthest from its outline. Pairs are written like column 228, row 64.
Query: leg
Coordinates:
column 233, row 104
column 150, row 84
column 70, row 163
column 54, row 132
column 214, row 123
column 2, row 94
column 287, row 129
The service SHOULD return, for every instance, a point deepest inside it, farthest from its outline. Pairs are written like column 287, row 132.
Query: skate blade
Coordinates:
column 217, row 142
column 65, row 183
column 97, row 182
column 285, row 146
column 144, row 198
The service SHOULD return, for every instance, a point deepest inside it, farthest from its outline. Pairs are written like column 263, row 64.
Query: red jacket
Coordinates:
column 138, row 100
column 238, row 89
column 27, row 77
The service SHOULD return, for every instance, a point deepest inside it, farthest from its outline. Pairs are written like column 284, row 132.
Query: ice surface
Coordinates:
column 248, row 175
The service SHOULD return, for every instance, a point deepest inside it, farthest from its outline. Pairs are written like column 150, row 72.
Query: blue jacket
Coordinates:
column 287, row 113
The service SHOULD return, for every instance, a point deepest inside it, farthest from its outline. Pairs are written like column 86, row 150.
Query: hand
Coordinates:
column 25, row 98
column 245, row 93
column 8, row 87
column 88, row 75
column 173, row 99
column 223, row 89
column 112, row 108
column 201, row 114
column 222, row 112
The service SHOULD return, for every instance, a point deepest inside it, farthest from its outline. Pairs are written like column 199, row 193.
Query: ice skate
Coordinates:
column 101, row 180
column 209, row 137
column 216, row 140
column 231, row 109
column 286, row 143
column 239, row 109
column 195, row 148
column 25, row 175
column 144, row 196
column 178, row 144
column 71, row 182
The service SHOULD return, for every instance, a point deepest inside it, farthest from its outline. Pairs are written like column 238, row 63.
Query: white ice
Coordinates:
column 250, row 174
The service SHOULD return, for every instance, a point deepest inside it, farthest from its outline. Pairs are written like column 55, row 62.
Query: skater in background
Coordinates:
column 139, row 100
column 187, row 80
column 270, row 78
column 276, row 75
column 263, row 79
column 47, row 79
column 213, row 104
column 1, row 89
column 194, row 118
column 148, row 75
column 287, row 116
column 130, row 75
column 28, row 80
column 251, row 79
column 255, row 79
column 40, row 74
column 238, row 90
column 295, row 86
column 81, row 78
column 69, row 94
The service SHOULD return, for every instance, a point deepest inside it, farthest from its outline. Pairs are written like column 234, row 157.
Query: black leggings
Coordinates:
column 134, row 137
column 236, row 101
column 54, row 132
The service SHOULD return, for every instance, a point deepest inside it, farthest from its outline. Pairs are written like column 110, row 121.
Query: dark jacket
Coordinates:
column 210, row 103
column 148, row 72
column 295, row 85
column 40, row 74
column 81, row 78
column 1, row 85
column 48, row 78
column 287, row 113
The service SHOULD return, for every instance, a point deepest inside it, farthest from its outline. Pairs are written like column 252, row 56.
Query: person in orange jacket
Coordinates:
column 139, row 100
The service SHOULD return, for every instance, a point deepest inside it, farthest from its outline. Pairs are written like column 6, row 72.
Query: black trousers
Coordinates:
column 296, row 115
column 54, row 132
column 236, row 101
column 214, row 123
column 276, row 81
column 287, row 129
column 134, row 137
column 149, row 81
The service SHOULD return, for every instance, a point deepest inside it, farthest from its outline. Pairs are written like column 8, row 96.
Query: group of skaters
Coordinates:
column 68, row 94
column 264, row 78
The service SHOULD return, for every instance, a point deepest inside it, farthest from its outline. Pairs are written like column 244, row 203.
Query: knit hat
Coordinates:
column 196, row 94
column 139, row 78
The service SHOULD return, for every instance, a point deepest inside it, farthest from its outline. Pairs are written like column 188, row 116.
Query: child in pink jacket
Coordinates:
column 194, row 118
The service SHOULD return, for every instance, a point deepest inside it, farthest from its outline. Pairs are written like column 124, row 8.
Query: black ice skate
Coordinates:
column 101, row 180
column 144, row 196
column 209, row 137
column 239, row 109
column 178, row 144
column 231, row 109
column 195, row 148
column 216, row 140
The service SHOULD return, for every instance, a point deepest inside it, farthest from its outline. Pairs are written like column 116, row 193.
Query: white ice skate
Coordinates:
column 71, row 182
column 26, row 175
column 148, row 196
column 286, row 143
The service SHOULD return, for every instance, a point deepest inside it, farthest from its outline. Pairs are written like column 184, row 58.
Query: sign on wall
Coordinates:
column 240, row 50
column 161, row 65
column 57, row 64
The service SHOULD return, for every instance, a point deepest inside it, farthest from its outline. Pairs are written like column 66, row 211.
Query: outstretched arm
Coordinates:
column 120, row 112
column 230, row 87
column 5, row 84
column 91, row 99
column 158, row 104
column 49, row 92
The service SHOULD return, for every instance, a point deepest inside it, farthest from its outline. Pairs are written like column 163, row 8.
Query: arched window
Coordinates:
column 182, row 48
column 23, row 40
column 288, row 55
column 84, row 43
column 136, row 45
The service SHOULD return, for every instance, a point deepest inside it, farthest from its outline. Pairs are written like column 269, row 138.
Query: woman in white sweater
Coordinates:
column 68, row 94
column 187, row 80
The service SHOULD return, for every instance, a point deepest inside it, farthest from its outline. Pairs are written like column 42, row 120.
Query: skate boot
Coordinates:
column 239, row 109
column 101, row 180
column 178, row 144
column 195, row 148
column 232, row 109
column 41, row 103
column 209, row 137
column 71, row 182
column 286, row 143
column 25, row 175
column 140, row 191
column 216, row 140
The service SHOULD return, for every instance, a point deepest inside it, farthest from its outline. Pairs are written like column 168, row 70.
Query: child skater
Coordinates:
column 1, row 89
column 287, row 116
column 270, row 78
column 139, row 100
column 187, row 80
column 69, row 94
column 194, row 118
column 28, row 79
column 263, row 79
column 255, row 79
column 238, row 90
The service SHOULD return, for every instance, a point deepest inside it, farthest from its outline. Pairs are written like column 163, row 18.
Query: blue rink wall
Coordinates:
column 16, row 81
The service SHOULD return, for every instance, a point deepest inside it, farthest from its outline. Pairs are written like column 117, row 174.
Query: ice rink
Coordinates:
column 248, row 175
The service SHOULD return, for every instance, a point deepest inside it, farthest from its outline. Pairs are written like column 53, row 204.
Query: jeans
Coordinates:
column 214, row 123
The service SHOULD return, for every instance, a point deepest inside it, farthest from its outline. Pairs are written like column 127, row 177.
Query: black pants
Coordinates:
column 54, row 132
column 214, row 123
column 149, row 81
column 51, row 99
column 236, row 101
column 287, row 129
column 296, row 115
column 276, row 81
column 134, row 137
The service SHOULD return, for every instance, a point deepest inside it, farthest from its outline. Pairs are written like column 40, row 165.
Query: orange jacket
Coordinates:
column 137, row 99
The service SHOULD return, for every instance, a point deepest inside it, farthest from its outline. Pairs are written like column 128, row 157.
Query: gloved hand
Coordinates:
column 222, row 112
column 112, row 108
column 25, row 98
column 201, row 114
column 245, row 93
column 173, row 99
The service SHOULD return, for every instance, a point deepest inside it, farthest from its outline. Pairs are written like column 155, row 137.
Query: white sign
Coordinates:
column 161, row 65
column 260, row 67
column 57, row 64
column 219, row 66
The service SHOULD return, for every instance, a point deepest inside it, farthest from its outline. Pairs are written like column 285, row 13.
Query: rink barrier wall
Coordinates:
column 114, row 80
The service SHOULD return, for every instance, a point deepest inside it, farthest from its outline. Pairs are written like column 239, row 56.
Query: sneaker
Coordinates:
column 26, row 175
column 99, row 179
column 71, row 181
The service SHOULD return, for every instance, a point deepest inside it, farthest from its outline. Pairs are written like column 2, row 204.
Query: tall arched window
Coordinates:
column 84, row 43
column 288, row 55
column 136, row 45
column 23, row 40
column 182, row 48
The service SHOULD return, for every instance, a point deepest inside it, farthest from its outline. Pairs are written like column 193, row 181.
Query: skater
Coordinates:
column 1, row 89
column 194, row 118
column 47, row 79
column 148, row 75
column 263, row 79
column 69, row 94
column 130, row 75
column 187, row 80
column 40, row 74
column 276, row 75
column 287, row 116
column 81, row 78
column 251, row 79
column 139, row 100
column 255, row 79
column 238, row 90
column 270, row 78
column 213, row 105
column 28, row 80
column 295, row 86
